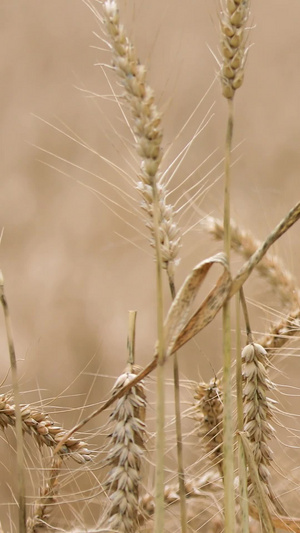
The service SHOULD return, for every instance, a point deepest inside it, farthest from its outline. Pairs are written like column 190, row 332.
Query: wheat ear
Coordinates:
column 270, row 267
column 148, row 131
column 126, row 450
column 281, row 332
column 44, row 430
column 209, row 416
column 233, row 18
column 258, row 411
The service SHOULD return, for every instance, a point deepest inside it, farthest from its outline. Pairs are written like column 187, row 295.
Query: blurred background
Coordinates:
column 74, row 260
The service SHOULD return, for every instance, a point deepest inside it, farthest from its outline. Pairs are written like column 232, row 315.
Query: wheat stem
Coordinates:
column 18, row 414
column 229, row 496
column 179, row 445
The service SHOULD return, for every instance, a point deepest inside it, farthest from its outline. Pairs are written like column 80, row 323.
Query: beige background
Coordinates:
column 70, row 273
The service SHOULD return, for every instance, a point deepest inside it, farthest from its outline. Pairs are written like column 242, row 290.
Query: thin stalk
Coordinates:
column 240, row 425
column 246, row 316
column 260, row 494
column 131, row 338
column 19, row 432
column 180, row 467
column 160, row 401
column 229, row 498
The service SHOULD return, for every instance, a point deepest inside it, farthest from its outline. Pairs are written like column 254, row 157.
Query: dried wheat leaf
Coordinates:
column 177, row 330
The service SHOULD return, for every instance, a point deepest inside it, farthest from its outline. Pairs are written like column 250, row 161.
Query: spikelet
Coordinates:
column 44, row 430
column 209, row 415
column 126, row 449
column 257, row 411
column 148, row 132
column 233, row 17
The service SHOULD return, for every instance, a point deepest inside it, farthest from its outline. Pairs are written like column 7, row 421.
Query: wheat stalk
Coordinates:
column 233, row 17
column 126, row 451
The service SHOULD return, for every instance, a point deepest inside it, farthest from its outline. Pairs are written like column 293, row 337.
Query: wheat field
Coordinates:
column 75, row 254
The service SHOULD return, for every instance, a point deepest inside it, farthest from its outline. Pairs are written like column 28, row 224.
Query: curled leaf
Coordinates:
column 178, row 328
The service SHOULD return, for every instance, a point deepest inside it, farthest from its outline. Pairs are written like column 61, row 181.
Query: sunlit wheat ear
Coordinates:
column 126, row 451
column 209, row 416
column 43, row 429
column 270, row 267
column 258, row 411
column 44, row 503
column 148, row 132
column 233, row 16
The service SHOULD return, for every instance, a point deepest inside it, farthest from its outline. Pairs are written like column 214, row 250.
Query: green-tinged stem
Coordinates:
column 180, row 467
column 240, row 424
column 229, row 497
column 160, row 400
column 19, row 432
